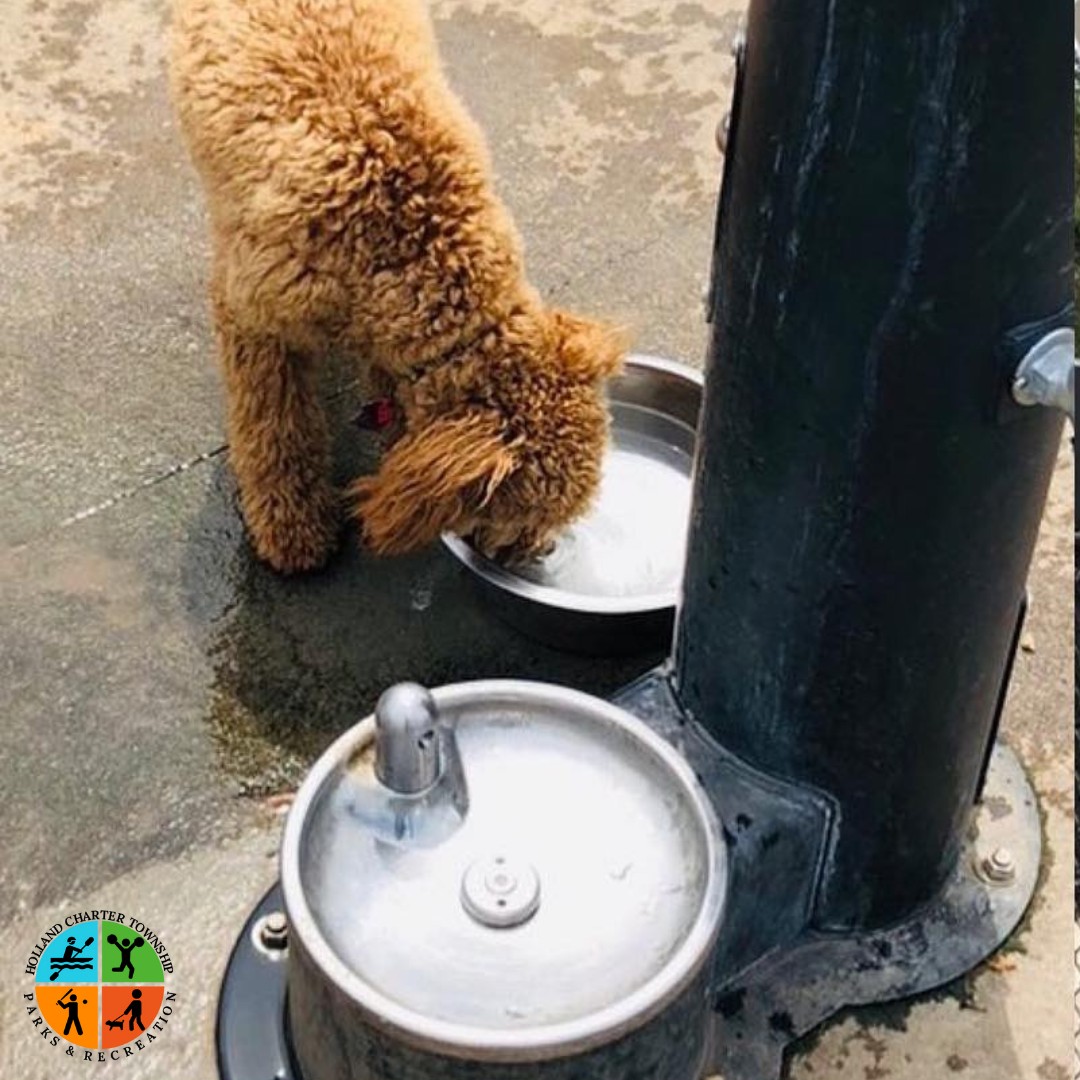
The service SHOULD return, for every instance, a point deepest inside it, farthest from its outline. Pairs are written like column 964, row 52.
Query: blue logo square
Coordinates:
column 72, row 957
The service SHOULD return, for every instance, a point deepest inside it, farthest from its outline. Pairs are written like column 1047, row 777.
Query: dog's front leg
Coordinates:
column 279, row 448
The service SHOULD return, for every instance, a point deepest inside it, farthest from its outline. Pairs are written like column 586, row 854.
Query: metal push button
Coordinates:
column 500, row 892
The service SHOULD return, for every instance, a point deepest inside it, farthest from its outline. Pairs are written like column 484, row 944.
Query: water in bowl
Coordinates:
column 633, row 541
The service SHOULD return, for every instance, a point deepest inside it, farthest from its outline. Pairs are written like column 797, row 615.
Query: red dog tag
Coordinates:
column 376, row 415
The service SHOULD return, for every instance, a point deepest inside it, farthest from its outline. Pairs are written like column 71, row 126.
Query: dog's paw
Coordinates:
column 295, row 554
column 295, row 538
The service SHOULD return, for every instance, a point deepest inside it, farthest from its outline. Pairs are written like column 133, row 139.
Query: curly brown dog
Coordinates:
column 351, row 206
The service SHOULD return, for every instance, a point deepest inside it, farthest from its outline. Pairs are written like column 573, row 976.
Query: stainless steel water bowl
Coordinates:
column 612, row 582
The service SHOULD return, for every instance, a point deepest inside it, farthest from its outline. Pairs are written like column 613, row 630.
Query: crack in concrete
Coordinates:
column 150, row 482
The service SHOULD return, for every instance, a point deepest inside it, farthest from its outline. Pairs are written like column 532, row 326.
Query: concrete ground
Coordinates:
column 161, row 688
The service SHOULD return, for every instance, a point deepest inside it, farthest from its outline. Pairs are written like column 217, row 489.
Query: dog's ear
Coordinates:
column 433, row 480
column 588, row 349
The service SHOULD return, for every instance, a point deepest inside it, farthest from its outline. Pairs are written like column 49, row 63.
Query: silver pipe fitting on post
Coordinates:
column 1047, row 375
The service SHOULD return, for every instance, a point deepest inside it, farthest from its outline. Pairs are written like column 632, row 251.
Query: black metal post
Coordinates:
column 895, row 230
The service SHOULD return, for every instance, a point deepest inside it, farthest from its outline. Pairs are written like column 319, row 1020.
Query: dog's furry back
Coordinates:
column 333, row 150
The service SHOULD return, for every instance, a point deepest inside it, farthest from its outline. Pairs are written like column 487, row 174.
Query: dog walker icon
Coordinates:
column 133, row 1011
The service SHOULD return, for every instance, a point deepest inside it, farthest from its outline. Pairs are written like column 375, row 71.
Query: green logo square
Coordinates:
column 126, row 957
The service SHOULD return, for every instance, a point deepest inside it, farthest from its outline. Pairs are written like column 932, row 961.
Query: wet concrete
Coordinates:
column 161, row 686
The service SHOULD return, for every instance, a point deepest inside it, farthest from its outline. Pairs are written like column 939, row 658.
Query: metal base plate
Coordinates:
column 760, row 1014
column 252, row 1033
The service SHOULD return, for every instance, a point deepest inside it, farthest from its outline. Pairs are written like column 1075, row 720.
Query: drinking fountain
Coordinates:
column 807, row 807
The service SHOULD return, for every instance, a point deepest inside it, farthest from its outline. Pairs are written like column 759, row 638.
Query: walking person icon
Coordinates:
column 70, row 1002
column 134, row 1011
column 125, row 947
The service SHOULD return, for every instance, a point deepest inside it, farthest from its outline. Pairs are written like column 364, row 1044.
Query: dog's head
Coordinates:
column 505, row 448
